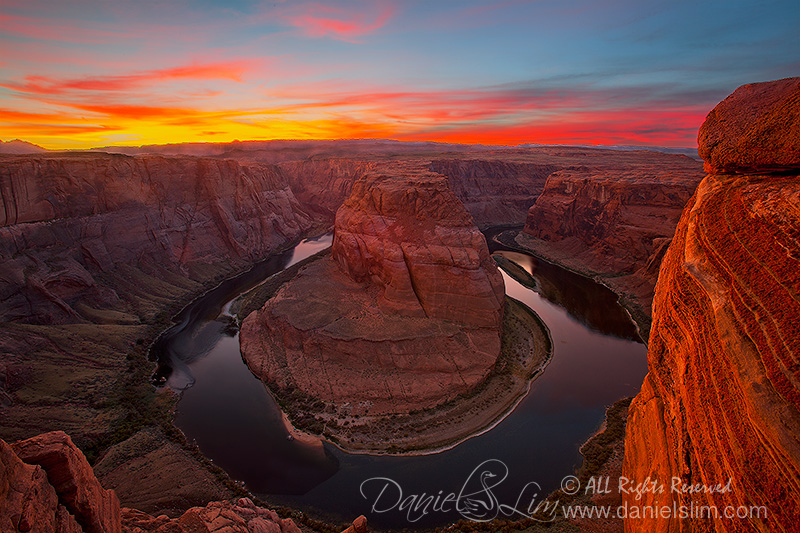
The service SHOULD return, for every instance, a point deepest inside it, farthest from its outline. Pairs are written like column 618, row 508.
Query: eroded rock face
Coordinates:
column 411, row 237
column 722, row 400
column 614, row 223
column 27, row 501
column 406, row 314
column 495, row 192
column 47, row 486
column 66, row 218
column 739, row 134
column 236, row 516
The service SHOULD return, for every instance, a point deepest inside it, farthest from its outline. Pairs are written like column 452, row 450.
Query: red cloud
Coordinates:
column 339, row 23
column 232, row 70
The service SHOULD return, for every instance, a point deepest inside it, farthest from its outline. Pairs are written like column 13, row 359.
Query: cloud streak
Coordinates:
column 348, row 23
column 44, row 85
column 92, row 72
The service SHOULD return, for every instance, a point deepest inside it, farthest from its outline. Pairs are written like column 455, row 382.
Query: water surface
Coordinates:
column 597, row 360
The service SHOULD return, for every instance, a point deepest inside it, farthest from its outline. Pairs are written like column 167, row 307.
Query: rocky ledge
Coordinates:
column 717, row 423
column 47, row 486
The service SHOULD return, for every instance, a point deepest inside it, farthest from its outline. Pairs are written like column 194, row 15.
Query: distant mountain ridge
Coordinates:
column 17, row 146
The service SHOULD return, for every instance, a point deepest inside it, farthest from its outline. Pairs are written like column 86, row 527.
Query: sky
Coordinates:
column 83, row 73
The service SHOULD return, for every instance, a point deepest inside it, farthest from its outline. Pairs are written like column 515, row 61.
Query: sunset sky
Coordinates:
column 82, row 73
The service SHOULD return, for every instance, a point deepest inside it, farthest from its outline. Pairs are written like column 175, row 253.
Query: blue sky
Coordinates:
column 89, row 72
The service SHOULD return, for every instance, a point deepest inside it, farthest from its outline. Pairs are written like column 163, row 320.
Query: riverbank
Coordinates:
column 526, row 349
column 634, row 303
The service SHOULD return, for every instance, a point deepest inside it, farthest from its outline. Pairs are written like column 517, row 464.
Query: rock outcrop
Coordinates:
column 47, row 486
column 67, row 218
column 412, row 238
column 613, row 223
column 720, row 408
column 322, row 185
column 731, row 142
column 236, row 516
column 406, row 314
column 494, row 191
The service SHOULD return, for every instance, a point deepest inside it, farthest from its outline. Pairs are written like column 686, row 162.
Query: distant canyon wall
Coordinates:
column 495, row 192
column 65, row 220
column 613, row 223
column 722, row 400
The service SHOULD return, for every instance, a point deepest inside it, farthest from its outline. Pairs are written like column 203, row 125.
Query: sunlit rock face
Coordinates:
column 405, row 314
column 48, row 486
column 722, row 400
column 68, row 219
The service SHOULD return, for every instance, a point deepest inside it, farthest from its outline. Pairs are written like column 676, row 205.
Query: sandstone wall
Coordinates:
column 495, row 192
column 64, row 219
column 613, row 223
column 47, row 486
column 411, row 236
column 722, row 400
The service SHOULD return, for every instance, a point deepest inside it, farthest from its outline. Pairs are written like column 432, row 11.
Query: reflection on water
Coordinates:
column 586, row 301
column 595, row 362
column 223, row 407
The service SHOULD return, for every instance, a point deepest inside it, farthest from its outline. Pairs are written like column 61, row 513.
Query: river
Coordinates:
column 597, row 360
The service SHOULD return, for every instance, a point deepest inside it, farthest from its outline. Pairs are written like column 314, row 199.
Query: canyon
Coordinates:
column 720, row 406
column 614, row 224
column 98, row 250
column 404, row 315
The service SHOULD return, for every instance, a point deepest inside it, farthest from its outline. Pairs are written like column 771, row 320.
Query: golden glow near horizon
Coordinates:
column 89, row 73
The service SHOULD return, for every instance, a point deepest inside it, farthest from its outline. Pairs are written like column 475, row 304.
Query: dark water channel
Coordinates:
column 597, row 360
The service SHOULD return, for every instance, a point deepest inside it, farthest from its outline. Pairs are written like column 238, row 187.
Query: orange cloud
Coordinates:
column 231, row 70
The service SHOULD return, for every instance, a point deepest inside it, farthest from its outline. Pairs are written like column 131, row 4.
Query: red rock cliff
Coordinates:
column 411, row 236
column 406, row 314
column 495, row 192
column 64, row 218
column 47, row 486
column 722, row 400
column 613, row 222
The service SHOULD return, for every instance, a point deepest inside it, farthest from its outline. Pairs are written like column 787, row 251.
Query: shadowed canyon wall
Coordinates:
column 97, row 252
column 613, row 223
column 65, row 220
column 720, row 408
column 47, row 486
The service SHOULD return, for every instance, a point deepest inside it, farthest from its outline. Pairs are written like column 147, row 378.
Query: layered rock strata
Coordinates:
column 95, row 250
column 718, row 419
column 406, row 314
column 67, row 219
column 614, row 224
column 47, row 486
column 494, row 191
